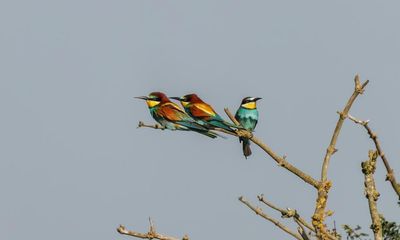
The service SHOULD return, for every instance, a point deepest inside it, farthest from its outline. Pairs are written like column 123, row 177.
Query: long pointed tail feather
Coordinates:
column 218, row 124
column 208, row 134
column 197, row 127
column 233, row 125
column 192, row 125
column 211, row 134
column 246, row 147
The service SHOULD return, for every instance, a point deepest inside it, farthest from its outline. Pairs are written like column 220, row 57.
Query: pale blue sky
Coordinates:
column 74, row 166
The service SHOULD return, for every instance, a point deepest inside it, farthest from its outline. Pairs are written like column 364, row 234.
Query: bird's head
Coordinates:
column 250, row 102
column 187, row 99
column 154, row 99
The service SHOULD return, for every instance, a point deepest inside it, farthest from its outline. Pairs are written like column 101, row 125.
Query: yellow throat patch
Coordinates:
column 184, row 104
column 250, row 105
column 152, row 103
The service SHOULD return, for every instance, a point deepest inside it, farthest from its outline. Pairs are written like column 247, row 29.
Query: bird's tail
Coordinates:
column 211, row 134
column 197, row 127
column 246, row 147
column 220, row 124
column 233, row 125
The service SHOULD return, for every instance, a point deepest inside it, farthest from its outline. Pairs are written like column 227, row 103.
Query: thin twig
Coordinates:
column 259, row 211
column 152, row 234
column 368, row 168
column 390, row 172
column 280, row 160
column 155, row 126
column 324, row 185
column 301, row 230
column 286, row 213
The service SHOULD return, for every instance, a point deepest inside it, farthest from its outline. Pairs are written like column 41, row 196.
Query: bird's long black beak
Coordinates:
column 176, row 98
column 142, row 97
column 257, row 98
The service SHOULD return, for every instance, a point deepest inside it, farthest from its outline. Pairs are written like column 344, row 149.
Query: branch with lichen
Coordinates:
column 260, row 212
column 292, row 213
column 368, row 169
column 390, row 172
column 324, row 185
column 151, row 234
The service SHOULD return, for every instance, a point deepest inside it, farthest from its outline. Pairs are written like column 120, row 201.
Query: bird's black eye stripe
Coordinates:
column 246, row 100
column 153, row 98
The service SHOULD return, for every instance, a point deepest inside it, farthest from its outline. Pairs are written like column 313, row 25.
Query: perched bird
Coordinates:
column 204, row 113
column 171, row 116
column 247, row 116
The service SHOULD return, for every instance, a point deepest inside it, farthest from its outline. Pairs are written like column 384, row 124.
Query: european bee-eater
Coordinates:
column 203, row 112
column 247, row 116
column 171, row 116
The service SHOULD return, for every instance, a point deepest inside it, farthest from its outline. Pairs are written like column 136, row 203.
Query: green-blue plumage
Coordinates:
column 247, row 117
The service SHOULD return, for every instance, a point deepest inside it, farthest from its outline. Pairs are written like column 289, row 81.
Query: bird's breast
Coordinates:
column 248, row 113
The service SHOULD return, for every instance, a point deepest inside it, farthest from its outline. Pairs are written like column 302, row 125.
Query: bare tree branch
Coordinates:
column 280, row 160
column 358, row 89
column 390, row 173
column 368, row 168
column 243, row 133
column 324, row 185
column 152, row 234
column 259, row 211
column 291, row 213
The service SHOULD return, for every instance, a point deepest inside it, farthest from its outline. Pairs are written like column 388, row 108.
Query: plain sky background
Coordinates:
column 73, row 165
